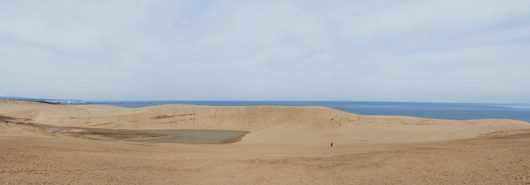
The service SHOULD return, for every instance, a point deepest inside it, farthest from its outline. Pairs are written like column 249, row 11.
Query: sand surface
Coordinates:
column 287, row 145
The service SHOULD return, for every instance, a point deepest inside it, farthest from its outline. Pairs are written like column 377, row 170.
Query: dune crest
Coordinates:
column 268, row 124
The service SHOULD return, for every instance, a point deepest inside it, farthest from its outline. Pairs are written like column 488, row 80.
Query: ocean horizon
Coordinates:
column 449, row 111
column 435, row 110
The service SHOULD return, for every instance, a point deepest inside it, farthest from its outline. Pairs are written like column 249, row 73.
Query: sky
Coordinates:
column 413, row 51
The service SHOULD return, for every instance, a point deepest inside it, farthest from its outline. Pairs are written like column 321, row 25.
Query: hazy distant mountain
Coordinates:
column 40, row 99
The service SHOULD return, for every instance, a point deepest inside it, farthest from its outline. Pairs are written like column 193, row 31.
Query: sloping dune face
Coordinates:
column 267, row 124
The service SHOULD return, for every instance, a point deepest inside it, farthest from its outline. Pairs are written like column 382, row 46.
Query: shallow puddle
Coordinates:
column 206, row 134
column 199, row 136
column 150, row 136
column 146, row 136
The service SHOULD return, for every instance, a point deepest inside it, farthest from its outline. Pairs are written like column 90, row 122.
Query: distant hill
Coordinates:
column 41, row 99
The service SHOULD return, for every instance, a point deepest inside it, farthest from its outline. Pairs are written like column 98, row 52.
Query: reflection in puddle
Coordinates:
column 59, row 132
column 84, row 137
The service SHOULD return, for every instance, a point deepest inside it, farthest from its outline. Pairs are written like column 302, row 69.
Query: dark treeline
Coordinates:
column 47, row 102
column 33, row 100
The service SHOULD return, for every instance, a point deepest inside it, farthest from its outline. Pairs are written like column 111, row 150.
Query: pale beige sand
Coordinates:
column 287, row 145
column 268, row 124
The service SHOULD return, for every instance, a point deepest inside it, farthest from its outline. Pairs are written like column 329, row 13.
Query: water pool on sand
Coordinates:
column 207, row 134
column 199, row 136
column 147, row 136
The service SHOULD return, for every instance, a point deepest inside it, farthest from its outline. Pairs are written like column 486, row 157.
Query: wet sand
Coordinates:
column 289, row 146
column 140, row 136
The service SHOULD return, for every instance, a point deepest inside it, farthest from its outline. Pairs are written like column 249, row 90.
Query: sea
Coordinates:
column 448, row 111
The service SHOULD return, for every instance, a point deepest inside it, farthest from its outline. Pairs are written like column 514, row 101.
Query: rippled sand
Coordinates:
column 287, row 145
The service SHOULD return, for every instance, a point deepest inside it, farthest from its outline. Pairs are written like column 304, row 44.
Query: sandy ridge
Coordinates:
column 268, row 124
column 288, row 145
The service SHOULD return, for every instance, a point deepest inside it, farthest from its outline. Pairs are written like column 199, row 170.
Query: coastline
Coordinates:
column 287, row 145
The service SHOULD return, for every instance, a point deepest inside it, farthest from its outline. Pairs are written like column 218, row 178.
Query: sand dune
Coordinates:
column 268, row 124
column 287, row 145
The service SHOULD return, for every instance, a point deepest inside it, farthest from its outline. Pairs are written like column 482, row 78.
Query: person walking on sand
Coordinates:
column 331, row 144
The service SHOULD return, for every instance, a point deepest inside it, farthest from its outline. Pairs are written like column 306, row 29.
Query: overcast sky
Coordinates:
column 421, row 51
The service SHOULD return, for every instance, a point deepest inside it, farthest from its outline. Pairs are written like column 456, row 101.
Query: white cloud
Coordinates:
column 283, row 50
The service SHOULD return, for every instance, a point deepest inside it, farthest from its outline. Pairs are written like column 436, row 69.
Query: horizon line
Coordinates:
column 41, row 99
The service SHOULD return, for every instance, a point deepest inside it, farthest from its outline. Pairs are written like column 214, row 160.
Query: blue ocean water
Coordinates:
column 451, row 111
